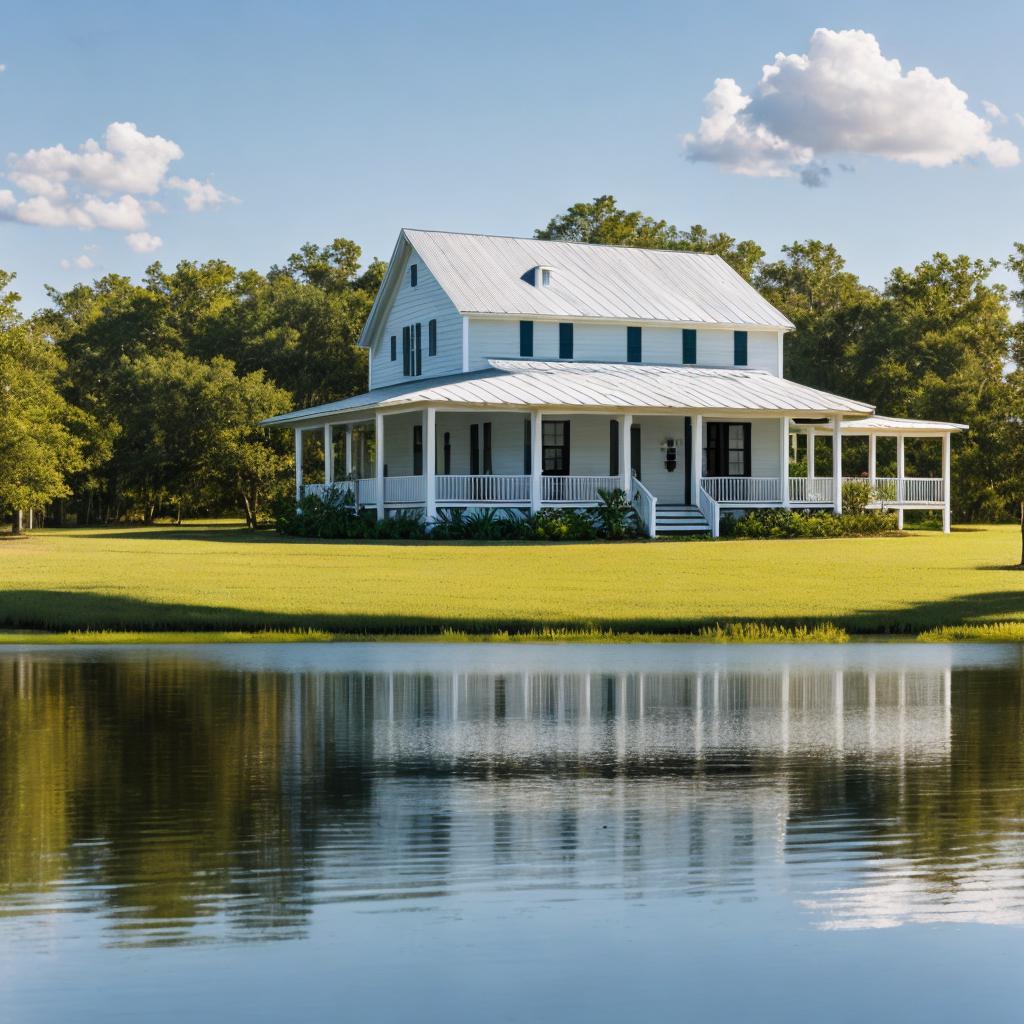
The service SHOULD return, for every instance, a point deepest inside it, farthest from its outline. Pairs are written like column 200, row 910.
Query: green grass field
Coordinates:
column 211, row 577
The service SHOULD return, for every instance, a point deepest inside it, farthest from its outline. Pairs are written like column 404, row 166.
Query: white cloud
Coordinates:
column 143, row 241
column 200, row 194
column 126, row 214
column 843, row 96
column 83, row 262
column 992, row 112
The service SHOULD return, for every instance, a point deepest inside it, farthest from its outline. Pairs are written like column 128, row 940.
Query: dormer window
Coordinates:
column 541, row 276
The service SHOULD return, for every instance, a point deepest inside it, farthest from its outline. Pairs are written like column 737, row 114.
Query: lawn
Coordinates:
column 219, row 577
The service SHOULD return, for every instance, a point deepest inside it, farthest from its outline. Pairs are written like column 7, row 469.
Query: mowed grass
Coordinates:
column 207, row 578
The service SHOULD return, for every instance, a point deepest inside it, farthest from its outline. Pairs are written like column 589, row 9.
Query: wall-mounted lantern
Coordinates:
column 670, row 448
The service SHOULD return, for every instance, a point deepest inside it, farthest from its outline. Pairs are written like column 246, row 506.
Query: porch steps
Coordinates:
column 671, row 519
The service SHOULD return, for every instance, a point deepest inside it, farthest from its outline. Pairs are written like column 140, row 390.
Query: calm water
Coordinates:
column 527, row 833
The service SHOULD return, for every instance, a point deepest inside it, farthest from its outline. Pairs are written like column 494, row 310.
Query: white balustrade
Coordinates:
column 711, row 510
column 404, row 490
column 367, row 492
column 339, row 487
column 743, row 489
column 919, row 490
column 577, row 490
column 483, row 490
column 646, row 505
column 815, row 490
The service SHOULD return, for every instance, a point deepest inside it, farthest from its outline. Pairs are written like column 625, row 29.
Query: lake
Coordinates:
column 479, row 832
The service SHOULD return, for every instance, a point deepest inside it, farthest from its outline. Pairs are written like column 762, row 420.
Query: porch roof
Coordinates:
column 537, row 384
column 897, row 425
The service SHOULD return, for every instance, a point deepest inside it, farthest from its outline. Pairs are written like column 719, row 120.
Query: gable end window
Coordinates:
column 526, row 338
column 739, row 348
column 633, row 345
column 394, row 348
column 565, row 341
column 413, row 269
column 689, row 346
column 432, row 338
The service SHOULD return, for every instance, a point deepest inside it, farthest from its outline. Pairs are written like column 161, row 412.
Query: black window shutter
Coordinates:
column 447, row 453
column 633, row 345
column 746, row 449
column 432, row 338
column 488, row 467
column 417, row 450
column 613, row 447
column 418, row 365
column 474, row 449
column 406, row 351
column 689, row 345
column 635, row 449
column 714, row 450
column 413, row 274
column 526, row 337
column 688, row 457
column 527, row 447
column 565, row 341
column 394, row 348
column 739, row 348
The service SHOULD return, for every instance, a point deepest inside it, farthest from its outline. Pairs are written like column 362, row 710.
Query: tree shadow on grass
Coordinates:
column 63, row 610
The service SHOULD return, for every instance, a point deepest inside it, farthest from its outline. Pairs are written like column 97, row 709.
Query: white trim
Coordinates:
column 784, row 459
column 837, row 464
column 536, row 460
column 465, row 344
column 900, row 474
column 558, row 318
column 378, row 462
column 298, row 463
column 430, row 461
column 328, row 453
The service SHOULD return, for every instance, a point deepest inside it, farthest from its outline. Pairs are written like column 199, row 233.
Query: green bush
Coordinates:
column 857, row 495
column 777, row 523
column 615, row 517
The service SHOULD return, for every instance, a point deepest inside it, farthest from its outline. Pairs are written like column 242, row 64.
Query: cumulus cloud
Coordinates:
column 992, row 112
column 842, row 97
column 143, row 241
column 199, row 195
column 83, row 262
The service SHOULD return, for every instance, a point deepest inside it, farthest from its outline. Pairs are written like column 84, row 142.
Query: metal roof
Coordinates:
column 898, row 425
column 487, row 274
column 532, row 383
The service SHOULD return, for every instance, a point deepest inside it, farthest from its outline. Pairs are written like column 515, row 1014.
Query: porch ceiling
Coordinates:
column 537, row 384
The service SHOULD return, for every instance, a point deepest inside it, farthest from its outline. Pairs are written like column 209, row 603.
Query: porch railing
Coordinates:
column 577, row 490
column 490, row 490
column 710, row 508
column 743, row 489
column 367, row 492
column 646, row 505
column 404, row 490
column 816, row 490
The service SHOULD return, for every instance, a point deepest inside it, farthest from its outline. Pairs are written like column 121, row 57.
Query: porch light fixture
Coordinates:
column 671, row 450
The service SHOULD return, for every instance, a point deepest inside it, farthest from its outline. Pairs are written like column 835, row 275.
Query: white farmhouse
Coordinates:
column 517, row 373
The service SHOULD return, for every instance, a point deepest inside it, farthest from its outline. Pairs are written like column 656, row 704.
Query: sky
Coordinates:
column 134, row 132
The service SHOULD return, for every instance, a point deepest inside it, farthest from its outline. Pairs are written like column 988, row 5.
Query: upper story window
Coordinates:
column 412, row 350
column 565, row 341
column 689, row 346
column 541, row 277
column 432, row 338
column 412, row 275
column 739, row 348
column 526, row 338
column 634, row 343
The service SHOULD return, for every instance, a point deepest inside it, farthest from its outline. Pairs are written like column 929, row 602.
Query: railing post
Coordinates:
column 536, row 461
column 872, row 458
column 378, row 461
column 328, row 455
column 298, row 463
column 946, row 517
column 348, row 449
column 784, row 459
column 430, row 462
column 810, row 453
column 837, row 464
column 899, row 481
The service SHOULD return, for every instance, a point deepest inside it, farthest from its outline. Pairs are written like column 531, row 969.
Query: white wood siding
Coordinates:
column 426, row 302
column 654, row 430
column 494, row 339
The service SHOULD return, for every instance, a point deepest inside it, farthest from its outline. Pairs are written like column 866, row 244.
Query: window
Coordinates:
column 613, row 447
column 689, row 345
column 432, row 338
column 545, row 277
column 635, row 450
column 555, row 447
column 526, row 337
column 417, row 450
column 739, row 348
column 412, row 350
column 565, row 341
column 728, row 449
column 633, row 345
column 412, row 275
column 394, row 348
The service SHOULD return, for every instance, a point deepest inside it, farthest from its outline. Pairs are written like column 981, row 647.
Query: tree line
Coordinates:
column 125, row 399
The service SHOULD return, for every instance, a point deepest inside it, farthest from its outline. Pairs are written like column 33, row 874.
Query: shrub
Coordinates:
column 614, row 517
column 857, row 495
column 776, row 523
column 563, row 524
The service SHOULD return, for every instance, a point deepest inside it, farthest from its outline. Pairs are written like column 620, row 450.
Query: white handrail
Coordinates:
column 711, row 510
column 577, row 490
column 816, row 490
column 403, row 490
column 646, row 505
column 488, row 490
column 743, row 488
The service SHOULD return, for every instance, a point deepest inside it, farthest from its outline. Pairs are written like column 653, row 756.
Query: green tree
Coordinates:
column 38, row 446
column 604, row 222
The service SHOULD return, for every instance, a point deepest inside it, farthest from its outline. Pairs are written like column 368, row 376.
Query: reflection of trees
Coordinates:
column 186, row 793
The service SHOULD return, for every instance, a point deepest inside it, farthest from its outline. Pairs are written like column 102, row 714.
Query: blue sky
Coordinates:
column 357, row 119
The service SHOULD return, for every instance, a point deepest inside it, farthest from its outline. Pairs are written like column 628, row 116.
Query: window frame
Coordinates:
column 560, row 461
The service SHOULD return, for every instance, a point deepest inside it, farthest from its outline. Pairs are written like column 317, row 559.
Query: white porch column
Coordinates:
column 810, row 454
column 697, row 460
column 298, row 463
column 378, row 462
column 872, row 457
column 945, row 483
column 536, row 462
column 328, row 454
column 899, row 481
column 348, row 449
column 430, row 461
column 837, row 464
column 784, row 459
column 626, row 450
